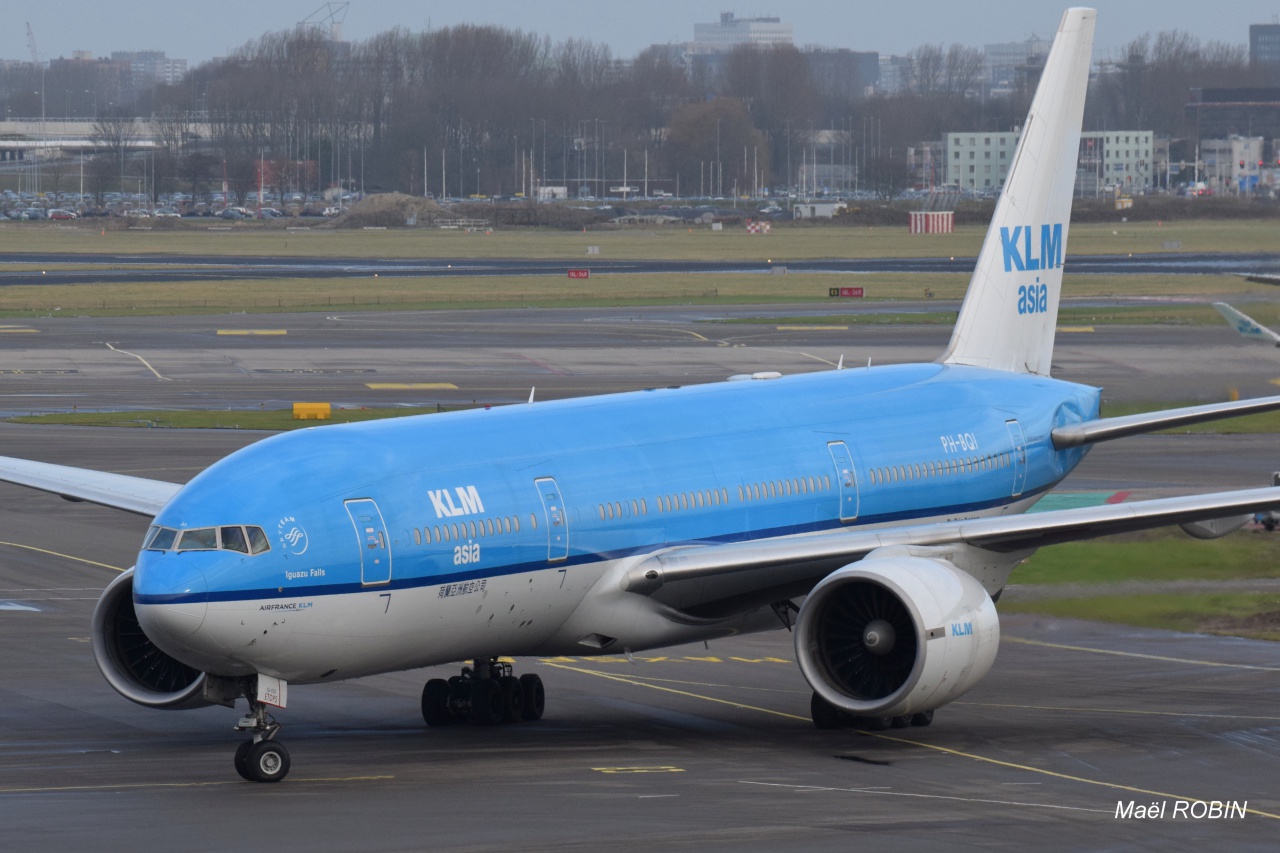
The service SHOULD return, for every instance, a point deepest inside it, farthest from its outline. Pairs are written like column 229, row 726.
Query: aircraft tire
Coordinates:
column 923, row 718
column 242, row 754
column 459, row 698
column 535, row 696
column 267, row 761
column 512, row 699
column 874, row 724
column 486, row 702
column 824, row 714
column 435, row 703
column 901, row 722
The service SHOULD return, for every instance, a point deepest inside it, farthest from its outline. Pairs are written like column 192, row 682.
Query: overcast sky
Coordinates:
column 197, row 31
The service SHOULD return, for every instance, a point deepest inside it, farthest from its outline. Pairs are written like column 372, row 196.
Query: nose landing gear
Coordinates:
column 262, row 759
column 486, row 693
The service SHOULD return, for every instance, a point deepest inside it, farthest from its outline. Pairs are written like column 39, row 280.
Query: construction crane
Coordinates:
column 326, row 21
column 31, row 44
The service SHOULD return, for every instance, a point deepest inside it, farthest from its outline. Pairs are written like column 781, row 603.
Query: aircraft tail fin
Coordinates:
column 1010, row 312
column 1246, row 325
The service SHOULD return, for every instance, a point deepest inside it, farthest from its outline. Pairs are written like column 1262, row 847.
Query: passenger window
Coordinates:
column 617, row 509
column 698, row 497
column 199, row 539
column 812, row 485
column 233, row 539
column 437, row 533
column 644, row 507
column 515, row 523
column 740, row 497
column 163, row 540
column 506, row 524
column 417, row 536
column 635, row 507
column 488, row 526
column 600, row 510
column 533, row 521
column 471, row 530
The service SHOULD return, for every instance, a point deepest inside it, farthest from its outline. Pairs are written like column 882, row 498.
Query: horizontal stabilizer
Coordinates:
column 119, row 491
column 1246, row 325
column 1105, row 429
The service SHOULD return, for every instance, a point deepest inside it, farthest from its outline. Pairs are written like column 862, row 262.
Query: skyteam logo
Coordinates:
column 292, row 536
column 1019, row 251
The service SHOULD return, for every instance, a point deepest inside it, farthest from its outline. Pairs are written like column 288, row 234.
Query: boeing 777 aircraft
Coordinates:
column 875, row 512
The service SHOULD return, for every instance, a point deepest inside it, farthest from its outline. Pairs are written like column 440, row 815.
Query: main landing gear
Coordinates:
column 486, row 693
column 828, row 716
column 262, row 759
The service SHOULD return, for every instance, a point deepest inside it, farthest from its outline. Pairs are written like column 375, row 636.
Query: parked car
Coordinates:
column 60, row 213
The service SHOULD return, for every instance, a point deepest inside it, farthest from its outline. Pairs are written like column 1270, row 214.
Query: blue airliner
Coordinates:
column 875, row 512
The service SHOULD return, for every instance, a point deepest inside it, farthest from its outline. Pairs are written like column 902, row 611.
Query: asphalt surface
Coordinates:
column 706, row 748
column 196, row 268
column 455, row 358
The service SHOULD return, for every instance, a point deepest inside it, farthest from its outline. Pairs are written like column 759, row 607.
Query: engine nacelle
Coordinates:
column 132, row 664
column 896, row 635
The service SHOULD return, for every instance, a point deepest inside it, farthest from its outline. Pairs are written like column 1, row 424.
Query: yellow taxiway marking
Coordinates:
column 12, row 331
column 811, row 328
column 411, row 386
column 1075, row 328
column 661, row 769
column 144, row 785
column 661, row 659
column 64, row 556
column 1139, row 655
column 935, row 747
column 253, row 331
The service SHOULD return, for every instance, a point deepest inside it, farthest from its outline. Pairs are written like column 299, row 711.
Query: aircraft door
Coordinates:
column 1019, row 456
column 553, row 510
column 375, row 545
column 846, row 479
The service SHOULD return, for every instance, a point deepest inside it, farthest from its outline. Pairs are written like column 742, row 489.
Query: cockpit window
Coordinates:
column 163, row 539
column 258, row 541
column 233, row 539
column 199, row 539
column 244, row 540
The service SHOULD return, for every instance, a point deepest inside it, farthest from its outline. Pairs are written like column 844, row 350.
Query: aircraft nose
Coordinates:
column 170, row 597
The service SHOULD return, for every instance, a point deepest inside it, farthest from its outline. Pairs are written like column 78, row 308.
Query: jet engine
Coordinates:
column 896, row 635
column 132, row 664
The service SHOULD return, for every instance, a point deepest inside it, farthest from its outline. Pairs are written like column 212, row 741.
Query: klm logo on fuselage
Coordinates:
column 1019, row 249
column 469, row 502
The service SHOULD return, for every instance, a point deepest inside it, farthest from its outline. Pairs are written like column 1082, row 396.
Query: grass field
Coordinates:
column 1256, row 616
column 382, row 293
column 1157, row 555
column 786, row 242
column 265, row 419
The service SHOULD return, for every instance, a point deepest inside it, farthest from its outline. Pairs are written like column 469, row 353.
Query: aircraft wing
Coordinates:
column 1246, row 325
column 120, row 491
column 1105, row 429
column 1261, row 278
column 799, row 559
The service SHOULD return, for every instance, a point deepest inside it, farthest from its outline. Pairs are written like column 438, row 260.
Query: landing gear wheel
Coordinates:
column 512, row 699
column 267, row 761
column 242, row 755
column 435, row 703
column 486, row 702
column 874, row 724
column 459, row 699
column 535, row 696
column 923, row 718
column 824, row 714
column 901, row 722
